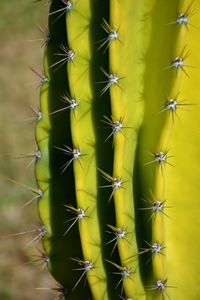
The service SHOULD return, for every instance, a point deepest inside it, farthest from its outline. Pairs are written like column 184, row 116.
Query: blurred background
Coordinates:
column 21, row 270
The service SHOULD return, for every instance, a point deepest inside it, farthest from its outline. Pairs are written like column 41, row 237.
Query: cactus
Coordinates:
column 117, row 134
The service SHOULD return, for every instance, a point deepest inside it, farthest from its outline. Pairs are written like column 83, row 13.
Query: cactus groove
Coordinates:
column 118, row 149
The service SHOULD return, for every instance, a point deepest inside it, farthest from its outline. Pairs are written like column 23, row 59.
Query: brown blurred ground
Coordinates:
column 18, row 24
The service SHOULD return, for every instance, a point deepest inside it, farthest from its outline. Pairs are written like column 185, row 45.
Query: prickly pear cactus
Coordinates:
column 118, row 135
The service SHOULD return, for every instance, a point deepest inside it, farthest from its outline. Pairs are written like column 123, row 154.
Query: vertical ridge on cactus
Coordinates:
column 124, row 54
column 82, row 129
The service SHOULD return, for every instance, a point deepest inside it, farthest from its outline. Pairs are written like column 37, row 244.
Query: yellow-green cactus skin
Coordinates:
column 119, row 139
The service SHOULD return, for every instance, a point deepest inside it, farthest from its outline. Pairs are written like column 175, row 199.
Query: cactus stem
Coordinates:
column 116, row 183
column 112, row 35
column 42, row 78
column 80, row 214
column 68, row 5
column 161, row 286
column 125, row 298
column 124, row 272
column 35, row 1
column 38, row 192
column 178, row 63
column 172, row 104
column 67, row 55
column 37, row 117
column 120, row 233
column 41, row 232
column 72, row 104
column 112, row 79
column 62, row 292
column 42, row 259
column 38, row 196
column 85, row 266
column 46, row 37
column 183, row 17
column 156, row 206
column 35, row 157
column 116, row 126
column 155, row 249
column 160, row 158
column 75, row 153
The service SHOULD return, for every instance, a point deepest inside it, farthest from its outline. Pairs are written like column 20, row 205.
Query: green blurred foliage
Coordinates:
column 20, row 49
column 15, row 15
